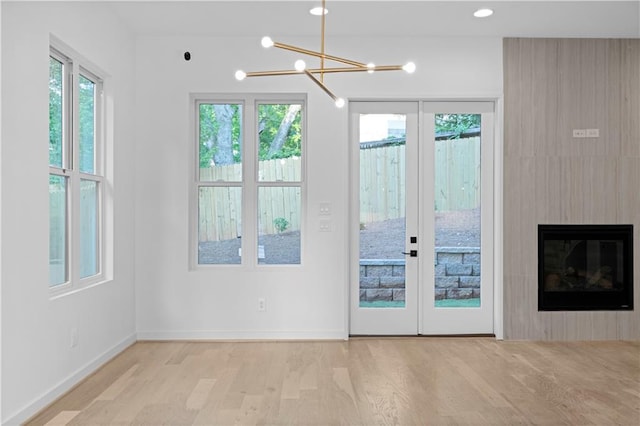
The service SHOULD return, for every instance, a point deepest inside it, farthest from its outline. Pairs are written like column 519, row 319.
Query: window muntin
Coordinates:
column 266, row 143
column 75, row 173
column 219, row 182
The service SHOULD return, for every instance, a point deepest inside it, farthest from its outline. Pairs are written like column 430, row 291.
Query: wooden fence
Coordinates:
column 382, row 183
column 457, row 174
column 382, row 189
column 382, row 179
column 220, row 208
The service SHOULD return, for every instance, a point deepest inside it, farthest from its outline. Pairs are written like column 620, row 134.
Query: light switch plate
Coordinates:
column 325, row 226
column 324, row 209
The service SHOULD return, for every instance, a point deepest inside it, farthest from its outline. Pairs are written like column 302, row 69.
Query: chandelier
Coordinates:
column 317, row 74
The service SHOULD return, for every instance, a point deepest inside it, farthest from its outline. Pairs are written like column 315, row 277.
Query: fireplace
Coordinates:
column 585, row 267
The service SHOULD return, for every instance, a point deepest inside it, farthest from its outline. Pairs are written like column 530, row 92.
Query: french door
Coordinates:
column 422, row 218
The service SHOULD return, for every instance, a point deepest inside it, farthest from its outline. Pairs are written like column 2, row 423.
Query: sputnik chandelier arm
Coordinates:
column 338, row 101
column 300, row 67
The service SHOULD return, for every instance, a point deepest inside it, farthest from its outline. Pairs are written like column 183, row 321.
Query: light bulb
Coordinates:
column 371, row 67
column 318, row 11
column 266, row 42
column 339, row 102
column 483, row 13
column 240, row 75
column 409, row 67
column 300, row 65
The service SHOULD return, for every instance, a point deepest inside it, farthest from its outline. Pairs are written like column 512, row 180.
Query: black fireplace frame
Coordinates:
column 576, row 300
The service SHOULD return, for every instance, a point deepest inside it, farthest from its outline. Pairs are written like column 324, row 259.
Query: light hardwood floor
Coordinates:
column 363, row 381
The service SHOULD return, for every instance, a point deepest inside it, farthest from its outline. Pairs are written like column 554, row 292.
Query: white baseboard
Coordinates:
column 64, row 386
column 243, row 335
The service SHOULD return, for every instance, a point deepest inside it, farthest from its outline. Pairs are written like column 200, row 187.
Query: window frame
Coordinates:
column 250, row 182
column 75, row 66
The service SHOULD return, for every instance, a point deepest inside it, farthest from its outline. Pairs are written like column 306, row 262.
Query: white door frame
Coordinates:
column 446, row 321
column 492, row 186
column 384, row 321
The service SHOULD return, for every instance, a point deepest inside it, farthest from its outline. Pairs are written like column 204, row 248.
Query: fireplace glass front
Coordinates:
column 585, row 267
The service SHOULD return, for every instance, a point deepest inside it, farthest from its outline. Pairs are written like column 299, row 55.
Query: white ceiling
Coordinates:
column 619, row 19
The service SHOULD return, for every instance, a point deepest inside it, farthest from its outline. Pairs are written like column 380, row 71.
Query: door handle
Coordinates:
column 411, row 253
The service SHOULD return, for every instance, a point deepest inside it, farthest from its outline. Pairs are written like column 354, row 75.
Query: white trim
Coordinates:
column 75, row 66
column 466, row 320
column 64, row 49
column 491, row 103
column 72, row 380
column 1, row 257
column 381, row 321
column 220, row 335
column 498, row 225
column 249, row 184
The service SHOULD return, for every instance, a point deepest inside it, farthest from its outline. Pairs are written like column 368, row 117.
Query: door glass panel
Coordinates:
column 382, row 210
column 457, row 210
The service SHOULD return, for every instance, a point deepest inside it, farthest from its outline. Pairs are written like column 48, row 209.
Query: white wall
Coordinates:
column 37, row 361
column 307, row 301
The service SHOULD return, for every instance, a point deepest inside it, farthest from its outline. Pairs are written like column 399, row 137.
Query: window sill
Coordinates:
column 69, row 289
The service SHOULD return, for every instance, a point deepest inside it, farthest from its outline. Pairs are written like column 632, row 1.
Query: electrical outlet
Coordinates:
column 579, row 133
column 593, row 133
column 262, row 304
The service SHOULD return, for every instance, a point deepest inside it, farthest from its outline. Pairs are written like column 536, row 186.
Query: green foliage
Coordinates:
column 87, row 97
column 270, row 116
column 281, row 224
column 456, row 124
column 86, row 114
column 270, row 119
column 209, row 128
column 55, row 113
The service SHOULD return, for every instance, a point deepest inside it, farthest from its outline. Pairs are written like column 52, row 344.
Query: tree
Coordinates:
column 219, row 134
column 283, row 130
column 224, row 136
column 454, row 125
column 87, row 95
column 280, row 130
column 55, row 113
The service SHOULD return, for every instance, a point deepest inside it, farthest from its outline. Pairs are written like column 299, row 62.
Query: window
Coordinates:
column 76, row 177
column 248, row 189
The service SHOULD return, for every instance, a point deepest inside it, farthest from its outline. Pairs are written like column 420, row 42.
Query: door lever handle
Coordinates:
column 411, row 253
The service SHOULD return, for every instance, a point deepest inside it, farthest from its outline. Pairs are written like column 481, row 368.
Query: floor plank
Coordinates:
column 363, row 381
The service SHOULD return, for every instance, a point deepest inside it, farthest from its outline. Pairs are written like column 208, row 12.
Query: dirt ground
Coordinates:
column 378, row 240
column 384, row 240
